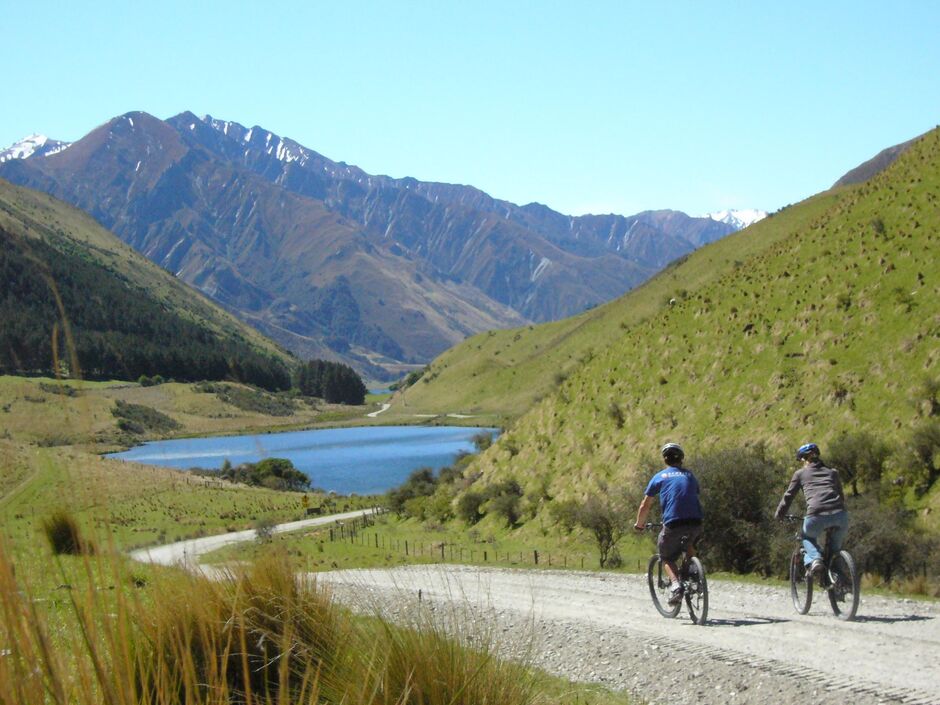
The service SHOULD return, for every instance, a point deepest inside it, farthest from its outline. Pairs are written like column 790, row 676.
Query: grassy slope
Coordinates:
column 30, row 213
column 826, row 320
column 506, row 372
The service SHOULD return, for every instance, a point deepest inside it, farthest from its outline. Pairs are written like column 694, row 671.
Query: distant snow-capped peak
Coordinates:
column 34, row 145
column 739, row 219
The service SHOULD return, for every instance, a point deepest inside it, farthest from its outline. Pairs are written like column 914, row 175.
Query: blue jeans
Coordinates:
column 815, row 526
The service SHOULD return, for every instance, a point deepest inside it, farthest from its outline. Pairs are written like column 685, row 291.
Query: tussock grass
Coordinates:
column 258, row 635
column 63, row 534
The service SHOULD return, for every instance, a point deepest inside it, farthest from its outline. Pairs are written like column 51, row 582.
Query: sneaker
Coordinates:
column 817, row 567
column 675, row 594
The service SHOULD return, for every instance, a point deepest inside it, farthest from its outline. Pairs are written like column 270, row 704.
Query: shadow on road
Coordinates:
column 745, row 622
column 893, row 618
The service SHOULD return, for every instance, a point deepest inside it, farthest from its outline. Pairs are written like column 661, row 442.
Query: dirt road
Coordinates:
column 755, row 648
column 188, row 552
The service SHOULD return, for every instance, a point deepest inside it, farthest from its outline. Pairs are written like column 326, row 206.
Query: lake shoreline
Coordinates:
column 362, row 460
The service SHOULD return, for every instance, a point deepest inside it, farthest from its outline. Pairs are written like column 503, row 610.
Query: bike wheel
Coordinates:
column 801, row 584
column 659, row 588
column 696, row 593
column 844, row 588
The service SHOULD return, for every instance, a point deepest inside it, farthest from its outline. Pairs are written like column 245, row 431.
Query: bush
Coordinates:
column 137, row 418
column 504, row 499
column 469, row 506
column 884, row 540
column 420, row 483
column 740, row 488
column 923, row 450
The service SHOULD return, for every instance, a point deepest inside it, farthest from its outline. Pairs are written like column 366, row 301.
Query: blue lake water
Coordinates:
column 362, row 460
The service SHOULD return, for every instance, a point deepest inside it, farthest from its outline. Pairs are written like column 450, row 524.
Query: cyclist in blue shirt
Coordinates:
column 678, row 492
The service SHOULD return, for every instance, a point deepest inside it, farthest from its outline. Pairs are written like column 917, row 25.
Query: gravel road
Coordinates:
column 755, row 648
column 602, row 627
column 187, row 552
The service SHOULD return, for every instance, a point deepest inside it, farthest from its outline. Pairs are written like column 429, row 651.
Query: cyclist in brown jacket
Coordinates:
column 825, row 504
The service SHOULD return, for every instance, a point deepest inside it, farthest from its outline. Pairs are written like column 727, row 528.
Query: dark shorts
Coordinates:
column 669, row 543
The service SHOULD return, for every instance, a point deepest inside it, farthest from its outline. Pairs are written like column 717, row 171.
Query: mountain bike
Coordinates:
column 840, row 580
column 691, row 577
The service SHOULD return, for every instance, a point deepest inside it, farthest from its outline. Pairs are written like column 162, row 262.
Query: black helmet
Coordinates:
column 806, row 451
column 673, row 451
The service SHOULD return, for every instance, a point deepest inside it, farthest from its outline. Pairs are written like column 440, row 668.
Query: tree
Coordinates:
column 607, row 516
column 859, row 457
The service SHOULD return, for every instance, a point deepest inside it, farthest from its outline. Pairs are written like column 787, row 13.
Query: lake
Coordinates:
column 364, row 460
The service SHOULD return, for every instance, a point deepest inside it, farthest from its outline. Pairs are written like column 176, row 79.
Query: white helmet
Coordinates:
column 673, row 451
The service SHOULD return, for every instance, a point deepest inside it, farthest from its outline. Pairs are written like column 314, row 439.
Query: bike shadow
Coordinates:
column 891, row 619
column 746, row 621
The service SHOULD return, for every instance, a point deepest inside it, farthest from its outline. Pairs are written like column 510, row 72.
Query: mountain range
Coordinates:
column 382, row 273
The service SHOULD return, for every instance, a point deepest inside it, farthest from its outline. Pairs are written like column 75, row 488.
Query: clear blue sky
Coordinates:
column 610, row 107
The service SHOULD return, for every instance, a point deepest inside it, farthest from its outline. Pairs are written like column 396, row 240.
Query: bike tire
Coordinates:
column 659, row 588
column 696, row 594
column 844, row 588
column 801, row 584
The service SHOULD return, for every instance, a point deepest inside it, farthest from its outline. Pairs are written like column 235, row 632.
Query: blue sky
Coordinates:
column 610, row 107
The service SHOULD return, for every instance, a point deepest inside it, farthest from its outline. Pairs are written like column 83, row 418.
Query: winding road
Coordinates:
column 602, row 627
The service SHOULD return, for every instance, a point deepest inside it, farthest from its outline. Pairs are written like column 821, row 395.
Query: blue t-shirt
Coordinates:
column 678, row 494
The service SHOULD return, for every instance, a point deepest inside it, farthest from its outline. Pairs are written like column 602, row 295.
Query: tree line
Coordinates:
column 333, row 382
column 109, row 328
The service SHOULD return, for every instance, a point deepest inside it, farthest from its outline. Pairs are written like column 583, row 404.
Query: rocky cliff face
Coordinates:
column 334, row 262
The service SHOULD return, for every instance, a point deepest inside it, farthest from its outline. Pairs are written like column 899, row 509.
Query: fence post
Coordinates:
column 406, row 547
column 484, row 557
column 442, row 551
column 536, row 555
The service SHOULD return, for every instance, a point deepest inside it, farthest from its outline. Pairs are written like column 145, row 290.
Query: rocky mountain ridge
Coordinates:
column 333, row 262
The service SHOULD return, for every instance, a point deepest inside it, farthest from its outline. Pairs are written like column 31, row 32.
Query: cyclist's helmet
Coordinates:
column 808, row 450
column 672, row 453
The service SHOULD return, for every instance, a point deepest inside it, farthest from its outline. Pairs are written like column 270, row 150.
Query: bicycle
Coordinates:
column 691, row 577
column 840, row 579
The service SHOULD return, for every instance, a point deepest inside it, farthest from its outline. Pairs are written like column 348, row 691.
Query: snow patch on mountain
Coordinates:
column 34, row 145
column 738, row 218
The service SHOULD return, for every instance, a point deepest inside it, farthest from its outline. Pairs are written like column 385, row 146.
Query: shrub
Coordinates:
column 882, row 538
column 264, row 529
column 469, row 506
column 420, row 483
column 504, row 499
column 137, row 418
column 923, row 449
column 740, row 488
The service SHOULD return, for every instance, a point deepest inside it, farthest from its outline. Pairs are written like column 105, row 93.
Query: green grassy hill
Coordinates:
column 61, row 267
column 506, row 372
column 822, row 319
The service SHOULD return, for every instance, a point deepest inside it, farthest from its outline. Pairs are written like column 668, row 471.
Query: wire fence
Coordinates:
column 363, row 532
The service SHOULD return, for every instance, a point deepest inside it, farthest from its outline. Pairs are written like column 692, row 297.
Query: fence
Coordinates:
column 356, row 533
